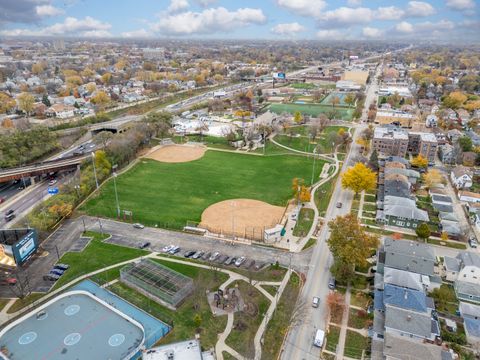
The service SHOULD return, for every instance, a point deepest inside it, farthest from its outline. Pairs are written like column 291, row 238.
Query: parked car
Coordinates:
column 206, row 256
column 339, row 205
column 61, row 266
column 240, row 261
column 214, row 256
column 473, row 243
column 319, row 337
column 138, row 226
column 175, row 249
column 316, row 301
column 167, row 248
column 198, row 254
column 331, row 283
column 51, row 277
column 189, row 253
column 221, row 259
column 57, row 272
column 229, row 260
column 144, row 245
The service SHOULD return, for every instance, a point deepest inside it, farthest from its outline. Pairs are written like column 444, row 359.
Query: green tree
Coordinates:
column 373, row 161
column 349, row 99
column 160, row 121
column 465, row 143
column 423, row 231
column 46, row 101
column 297, row 117
column 359, row 178
column 343, row 273
column 197, row 320
column 349, row 243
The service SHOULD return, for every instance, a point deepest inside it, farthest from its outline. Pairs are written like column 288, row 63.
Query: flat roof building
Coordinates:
column 184, row 350
column 390, row 141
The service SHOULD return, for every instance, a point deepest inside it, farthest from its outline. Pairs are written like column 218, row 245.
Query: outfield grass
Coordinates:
column 169, row 195
column 312, row 110
column 95, row 256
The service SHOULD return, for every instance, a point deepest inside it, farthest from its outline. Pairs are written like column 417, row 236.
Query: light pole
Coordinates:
column 115, row 187
column 94, row 169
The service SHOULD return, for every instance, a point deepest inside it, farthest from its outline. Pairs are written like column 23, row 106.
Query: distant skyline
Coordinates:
column 246, row 19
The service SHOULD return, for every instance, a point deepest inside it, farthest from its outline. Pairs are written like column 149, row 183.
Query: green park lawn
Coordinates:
column 303, row 142
column 170, row 194
column 304, row 223
column 313, row 110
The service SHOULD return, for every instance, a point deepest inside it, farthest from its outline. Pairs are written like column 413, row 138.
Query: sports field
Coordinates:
column 170, row 194
column 312, row 110
column 328, row 99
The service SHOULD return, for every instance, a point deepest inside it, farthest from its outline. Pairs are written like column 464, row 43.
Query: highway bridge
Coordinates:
column 41, row 168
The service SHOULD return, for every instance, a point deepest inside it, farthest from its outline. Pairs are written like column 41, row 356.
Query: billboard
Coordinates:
column 279, row 75
column 19, row 246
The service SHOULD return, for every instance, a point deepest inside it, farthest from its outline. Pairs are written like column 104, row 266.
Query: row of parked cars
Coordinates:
column 56, row 272
column 215, row 257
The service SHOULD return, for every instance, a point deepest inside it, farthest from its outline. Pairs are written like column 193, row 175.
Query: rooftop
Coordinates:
column 184, row 350
column 382, row 132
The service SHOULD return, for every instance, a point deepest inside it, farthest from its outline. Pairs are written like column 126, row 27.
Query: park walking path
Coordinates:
column 344, row 327
column 321, row 156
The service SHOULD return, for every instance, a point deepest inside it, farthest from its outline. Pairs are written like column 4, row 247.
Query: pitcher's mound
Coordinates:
column 177, row 153
column 247, row 218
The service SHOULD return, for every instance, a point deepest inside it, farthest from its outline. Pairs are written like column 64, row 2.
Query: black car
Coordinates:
column 189, row 253
column 11, row 211
column 144, row 245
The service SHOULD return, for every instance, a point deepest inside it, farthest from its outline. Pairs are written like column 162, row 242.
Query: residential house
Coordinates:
column 463, row 116
column 469, row 197
column 411, row 323
column 61, row 111
column 467, row 284
column 403, row 348
column 468, row 158
column 471, row 322
column 431, row 121
column 401, row 212
column 447, row 154
column 461, row 177
column 453, row 135
column 424, row 144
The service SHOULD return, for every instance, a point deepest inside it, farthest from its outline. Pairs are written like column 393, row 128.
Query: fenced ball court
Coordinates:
column 341, row 96
column 157, row 282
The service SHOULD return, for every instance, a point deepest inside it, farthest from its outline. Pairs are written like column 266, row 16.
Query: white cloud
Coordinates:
column 371, row 32
column 460, row 4
column 206, row 3
column 287, row 29
column 177, row 5
column 48, row 10
column 404, row 27
column 420, row 9
column 346, row 16
column 88, row 27
column 434, row 26
column 330, row 35
column 304, row 7
column 389, row 13
column 208, row 21
column 140, row 33
column 354, row 3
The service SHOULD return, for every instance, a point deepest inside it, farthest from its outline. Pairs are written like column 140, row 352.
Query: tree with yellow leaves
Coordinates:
column 100, row 99
column 25, row 102
column 455, row 100
column 6, row 103
column 37, row 68
column 106, row 78
column 433, row 177
column 297, row 117
column 304, row 195
column 364, row 143
column 359, row 178
column 419, row 161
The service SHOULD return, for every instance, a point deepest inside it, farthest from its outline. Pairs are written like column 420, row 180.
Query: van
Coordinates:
column 315, row 302
column 331, row 283
column 319, row 337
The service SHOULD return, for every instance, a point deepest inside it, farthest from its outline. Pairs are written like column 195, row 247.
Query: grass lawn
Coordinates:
column 359, row 282
column 27, row 300
column 304, row 222
column 245, row 325
column 184, row 327
column 357, row 319
column 303, row 86
column 303, row 142
column 312, row 110
column 96, row 255
column 323, row 195
column 359, row 299
column 271, row 289
column 170, row 194
column 332, row 338
column 311, row 242
column 355, row 344
column 370, row 198
column 278, row 325
column 3, row 303
column 369, row 207
column 450, row 244
column 227, row 356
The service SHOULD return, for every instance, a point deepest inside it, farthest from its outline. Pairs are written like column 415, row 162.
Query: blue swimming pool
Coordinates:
column 154, row 329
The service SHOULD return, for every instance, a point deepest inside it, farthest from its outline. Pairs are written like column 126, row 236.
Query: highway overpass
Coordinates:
column 41, row 168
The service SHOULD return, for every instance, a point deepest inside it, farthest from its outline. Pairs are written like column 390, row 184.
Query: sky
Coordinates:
column 452, row 20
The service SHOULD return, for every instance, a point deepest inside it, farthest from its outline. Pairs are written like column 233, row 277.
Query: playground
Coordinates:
column 170, row 195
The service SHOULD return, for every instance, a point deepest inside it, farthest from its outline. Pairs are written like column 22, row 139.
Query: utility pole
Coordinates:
column 313, row 170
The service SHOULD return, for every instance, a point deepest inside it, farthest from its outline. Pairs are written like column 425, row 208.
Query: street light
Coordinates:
column 114, row 167
column 94, row 169
column 313, row 170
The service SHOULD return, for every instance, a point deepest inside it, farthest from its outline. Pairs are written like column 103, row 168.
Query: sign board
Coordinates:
column 279, row 75
column 53, row 191
column 27, row 246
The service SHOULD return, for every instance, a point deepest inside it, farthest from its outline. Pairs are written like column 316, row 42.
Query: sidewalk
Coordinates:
column 344, row 327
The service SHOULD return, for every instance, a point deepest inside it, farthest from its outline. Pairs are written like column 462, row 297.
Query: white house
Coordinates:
column 467, row 284
column 469, row 197
column 61, row 111
column 461, row 177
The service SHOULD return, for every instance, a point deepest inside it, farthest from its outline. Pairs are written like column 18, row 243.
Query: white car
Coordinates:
column 214, row 256
column 52, row 182
column 319, row 337
column 240, row 261
column 167, row 248
column 138, row 226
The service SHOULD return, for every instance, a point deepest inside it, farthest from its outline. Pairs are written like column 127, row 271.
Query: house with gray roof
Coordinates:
column 403, row 348
column 401, row 212
column 409, row 323
column 409, row 299
column 467, row 284
column 452, row 228
column 407, row 255
column 405, row 279
column 451, row 268
column 412, row 175
column 471, row 322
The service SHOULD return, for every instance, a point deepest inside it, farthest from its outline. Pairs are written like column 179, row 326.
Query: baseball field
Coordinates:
column 168, row 194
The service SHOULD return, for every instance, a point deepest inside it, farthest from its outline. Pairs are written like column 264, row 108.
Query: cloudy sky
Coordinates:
column 250, row 19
